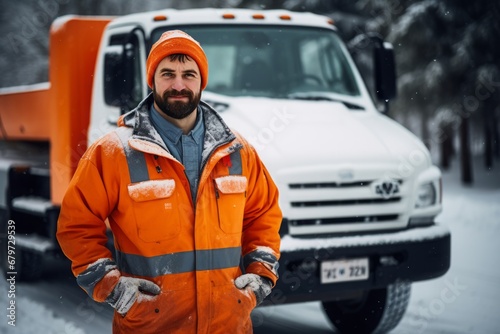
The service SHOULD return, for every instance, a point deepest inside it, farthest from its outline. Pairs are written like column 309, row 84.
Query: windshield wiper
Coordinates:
column 321, row 97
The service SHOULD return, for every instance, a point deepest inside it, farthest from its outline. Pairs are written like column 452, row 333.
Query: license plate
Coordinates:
column 344, row 270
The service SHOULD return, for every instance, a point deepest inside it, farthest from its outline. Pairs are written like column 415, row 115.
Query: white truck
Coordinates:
column 359, row 192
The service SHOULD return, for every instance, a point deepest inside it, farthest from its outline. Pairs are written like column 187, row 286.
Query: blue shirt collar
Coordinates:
column 198, row 132
column 172, row 132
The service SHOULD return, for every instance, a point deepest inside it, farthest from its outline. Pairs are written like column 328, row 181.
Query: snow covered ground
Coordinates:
column 465, row 300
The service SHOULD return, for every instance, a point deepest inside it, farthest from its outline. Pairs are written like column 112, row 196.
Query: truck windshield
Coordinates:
column 273, row 61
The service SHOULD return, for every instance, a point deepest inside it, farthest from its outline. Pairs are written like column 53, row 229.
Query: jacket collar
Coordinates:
column 145, row 137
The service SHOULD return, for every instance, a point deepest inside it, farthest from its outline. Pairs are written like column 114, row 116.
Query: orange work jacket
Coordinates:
column 193, row 251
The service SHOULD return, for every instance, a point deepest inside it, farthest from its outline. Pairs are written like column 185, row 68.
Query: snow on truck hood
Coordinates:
column 299, row 133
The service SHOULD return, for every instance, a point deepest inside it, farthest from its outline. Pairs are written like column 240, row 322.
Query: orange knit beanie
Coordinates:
column 173, row 42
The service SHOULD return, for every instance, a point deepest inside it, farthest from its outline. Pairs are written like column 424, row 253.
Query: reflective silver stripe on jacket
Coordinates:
column 181, row 262
column 136, row 160
column 93, row 274
column 235, row 168
column 263, row 257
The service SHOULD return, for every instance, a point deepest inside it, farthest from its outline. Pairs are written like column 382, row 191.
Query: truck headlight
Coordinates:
column 426, row 195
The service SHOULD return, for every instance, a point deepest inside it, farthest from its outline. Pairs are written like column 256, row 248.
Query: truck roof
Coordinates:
column 237, row 16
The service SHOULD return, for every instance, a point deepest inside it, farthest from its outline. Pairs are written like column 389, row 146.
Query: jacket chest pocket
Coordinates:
column 231, row 197
column 156, row 209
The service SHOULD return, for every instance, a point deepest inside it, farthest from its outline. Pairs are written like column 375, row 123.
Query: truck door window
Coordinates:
column 123, row 81
column 323, row 62
column 221, row 57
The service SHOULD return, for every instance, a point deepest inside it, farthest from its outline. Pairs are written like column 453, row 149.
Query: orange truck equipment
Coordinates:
column 43, row 133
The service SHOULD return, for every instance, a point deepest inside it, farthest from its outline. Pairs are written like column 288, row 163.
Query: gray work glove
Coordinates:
column 128, row 290
column 261, row 286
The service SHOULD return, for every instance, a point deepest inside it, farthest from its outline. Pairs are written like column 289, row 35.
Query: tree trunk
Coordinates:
column 446, row 146
column 465, row 158
column 488, row 134
column 425, row 129
column 496, row 134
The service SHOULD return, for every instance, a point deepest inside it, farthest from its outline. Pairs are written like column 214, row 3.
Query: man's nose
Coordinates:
column 178, row 83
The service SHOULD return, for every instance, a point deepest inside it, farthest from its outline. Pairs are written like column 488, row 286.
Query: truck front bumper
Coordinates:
column 410, row 255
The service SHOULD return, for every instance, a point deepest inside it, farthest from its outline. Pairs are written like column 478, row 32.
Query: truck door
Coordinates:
column 120, row 82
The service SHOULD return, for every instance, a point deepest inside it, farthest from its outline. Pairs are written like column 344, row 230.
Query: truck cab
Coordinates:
column 359, row 192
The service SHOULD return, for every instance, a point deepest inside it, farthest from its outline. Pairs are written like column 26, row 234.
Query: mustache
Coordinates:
column 173, row 92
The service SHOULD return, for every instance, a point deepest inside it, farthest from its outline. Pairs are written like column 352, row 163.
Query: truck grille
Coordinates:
column 323, row 207
column 358, row 219
column 319, row 185
column 346, row 202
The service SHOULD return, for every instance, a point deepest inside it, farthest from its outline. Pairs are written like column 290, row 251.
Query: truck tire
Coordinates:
column 29, row 265
column 377, row 311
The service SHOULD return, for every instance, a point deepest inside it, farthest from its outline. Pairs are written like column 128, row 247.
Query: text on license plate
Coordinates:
column 344, row 270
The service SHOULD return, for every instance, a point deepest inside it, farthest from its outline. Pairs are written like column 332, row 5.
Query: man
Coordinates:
column 186, row 200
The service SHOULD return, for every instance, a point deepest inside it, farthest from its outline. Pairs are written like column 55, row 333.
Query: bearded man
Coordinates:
column 193, row 211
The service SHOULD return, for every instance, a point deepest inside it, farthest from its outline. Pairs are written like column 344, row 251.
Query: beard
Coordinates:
column 178, row 109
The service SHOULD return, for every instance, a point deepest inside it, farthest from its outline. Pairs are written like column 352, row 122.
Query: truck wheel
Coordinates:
column 28, row 264
column 377, row 311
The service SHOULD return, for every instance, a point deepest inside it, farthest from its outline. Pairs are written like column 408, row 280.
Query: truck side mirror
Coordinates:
column 380, row 73
column 385, row 70
column 119, row 76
